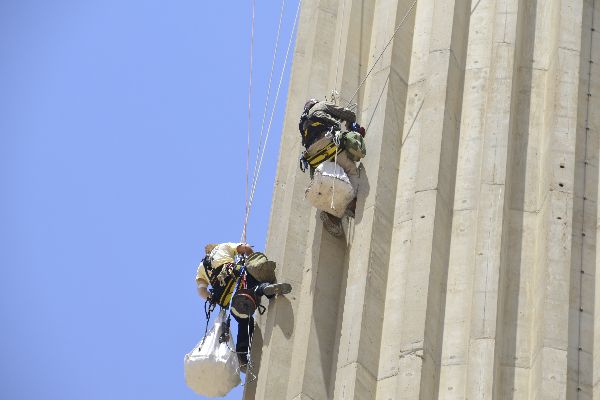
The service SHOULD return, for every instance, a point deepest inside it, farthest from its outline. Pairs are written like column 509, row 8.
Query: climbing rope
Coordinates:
column 264, row 117
column 264, row 145
column 382, row 52
column 260, row 141
column 249, row 115
column 337, row 64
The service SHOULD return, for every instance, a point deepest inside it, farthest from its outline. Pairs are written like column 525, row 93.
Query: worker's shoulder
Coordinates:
column 231, row 244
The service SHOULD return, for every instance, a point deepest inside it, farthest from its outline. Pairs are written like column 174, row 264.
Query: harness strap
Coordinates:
column 222, row 293
column 326, row 153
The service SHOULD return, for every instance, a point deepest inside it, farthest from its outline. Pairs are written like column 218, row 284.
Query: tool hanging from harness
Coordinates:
column 222, row 281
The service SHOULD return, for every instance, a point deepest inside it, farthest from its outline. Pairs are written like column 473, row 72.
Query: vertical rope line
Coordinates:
column 381, row 54
column 249, row 121
column 335, row 166
column 285, row 63
column 276, row 47
column 337, row 66
column 583, row 202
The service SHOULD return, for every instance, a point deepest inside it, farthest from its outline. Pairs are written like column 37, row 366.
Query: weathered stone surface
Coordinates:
column 469, row 271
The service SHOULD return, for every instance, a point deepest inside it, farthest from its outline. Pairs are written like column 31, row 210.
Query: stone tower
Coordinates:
column 470, row 270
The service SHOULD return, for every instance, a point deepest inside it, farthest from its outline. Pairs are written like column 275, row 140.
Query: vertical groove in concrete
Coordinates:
column 288, row 238
column 583, row 332
column 518, row 239
column 368, row 256
column 443, row 214
column 474, row 245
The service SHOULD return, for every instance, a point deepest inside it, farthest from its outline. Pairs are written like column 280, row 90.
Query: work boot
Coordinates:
column 277, row 288
column 332, row 224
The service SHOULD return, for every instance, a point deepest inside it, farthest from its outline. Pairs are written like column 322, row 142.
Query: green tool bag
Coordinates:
column 354, row 144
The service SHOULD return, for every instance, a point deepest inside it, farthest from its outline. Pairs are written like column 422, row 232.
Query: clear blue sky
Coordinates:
column 122, row 152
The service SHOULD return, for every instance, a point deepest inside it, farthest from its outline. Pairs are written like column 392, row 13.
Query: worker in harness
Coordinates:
column 327, row 129
column 247, row 280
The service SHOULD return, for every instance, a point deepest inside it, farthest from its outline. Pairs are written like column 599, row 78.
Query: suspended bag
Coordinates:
column 212, row 368
column 354, row 144
column 330, row 186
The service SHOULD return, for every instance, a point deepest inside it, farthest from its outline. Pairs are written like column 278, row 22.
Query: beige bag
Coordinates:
column 330, row 189
column 212, row 368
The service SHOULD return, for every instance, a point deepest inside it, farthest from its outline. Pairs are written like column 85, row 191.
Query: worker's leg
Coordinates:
column 244, row 335
column 267, row 289
column 349, row 168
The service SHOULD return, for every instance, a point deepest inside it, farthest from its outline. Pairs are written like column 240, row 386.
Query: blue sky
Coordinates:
column 123, row 130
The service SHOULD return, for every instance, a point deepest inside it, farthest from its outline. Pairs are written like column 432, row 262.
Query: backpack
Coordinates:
column 354, row 144
column 311, row 128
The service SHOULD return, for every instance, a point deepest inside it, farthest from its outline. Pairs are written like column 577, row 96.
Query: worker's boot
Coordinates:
column 274, row 289
column 332, row 224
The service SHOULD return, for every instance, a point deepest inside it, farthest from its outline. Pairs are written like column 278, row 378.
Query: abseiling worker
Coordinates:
column 327, row 129
column 216, row 280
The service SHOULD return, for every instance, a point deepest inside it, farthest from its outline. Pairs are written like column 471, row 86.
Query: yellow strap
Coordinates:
column 324, row 154
column 227, row 293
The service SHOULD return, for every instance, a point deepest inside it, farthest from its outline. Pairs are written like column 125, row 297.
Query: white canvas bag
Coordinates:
column 212, row 369
column 329, row 187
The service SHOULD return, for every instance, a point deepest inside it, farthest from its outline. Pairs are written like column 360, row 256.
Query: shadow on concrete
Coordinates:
column 361, row 194
column 279, row 305
column 512, row 226
column 583, row 248
column 328, row 269
column 284, row 307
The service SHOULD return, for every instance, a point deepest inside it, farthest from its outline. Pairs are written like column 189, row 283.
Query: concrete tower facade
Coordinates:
column 470, row 270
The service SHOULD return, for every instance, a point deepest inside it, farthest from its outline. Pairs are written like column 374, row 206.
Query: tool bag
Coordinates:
column 354, row 144
column 212, row 368
column 330, row 189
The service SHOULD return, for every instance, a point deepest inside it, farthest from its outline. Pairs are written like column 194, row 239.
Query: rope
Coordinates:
column 337, row 144
column 276, row 47
column 382, row 52
column 337, row 65
column 249, row 117
column 208, row 309
column 285, row 63
column 260, row 141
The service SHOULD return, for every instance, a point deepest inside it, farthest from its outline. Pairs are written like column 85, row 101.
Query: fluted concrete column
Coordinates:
column 470, row 270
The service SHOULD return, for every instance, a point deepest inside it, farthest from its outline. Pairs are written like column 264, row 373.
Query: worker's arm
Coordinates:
column 202, row 282
column 336, row 111
column 202, row 286
column 244, row 248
